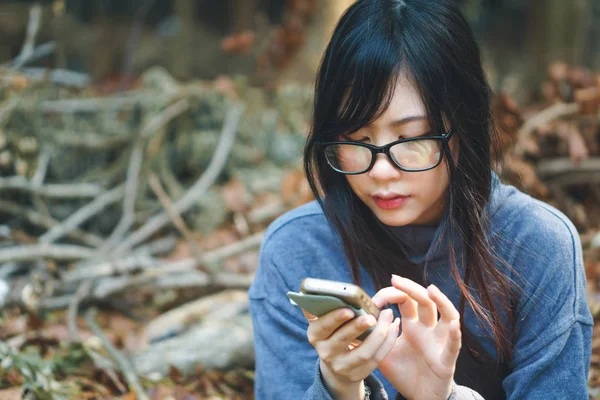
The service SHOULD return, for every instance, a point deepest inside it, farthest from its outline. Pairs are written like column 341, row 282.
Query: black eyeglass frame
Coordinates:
column 444, row 139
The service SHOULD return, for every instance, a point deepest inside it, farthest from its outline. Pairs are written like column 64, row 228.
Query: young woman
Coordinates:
column 400, row 157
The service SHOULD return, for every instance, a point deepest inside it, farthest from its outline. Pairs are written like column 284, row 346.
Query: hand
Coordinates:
column 422, row 363
column 343, row 366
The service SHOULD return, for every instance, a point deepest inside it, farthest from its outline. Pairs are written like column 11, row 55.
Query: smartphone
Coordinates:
column 319, row 297
column 347, row 292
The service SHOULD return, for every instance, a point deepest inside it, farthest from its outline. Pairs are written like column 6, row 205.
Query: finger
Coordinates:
column 450, row 353
column 426, row 308
column 323, row 327
column 447, row 310
column 406, row 305
column 344, row 336
column 366, row 351
column 389, row 295
column 390, row 341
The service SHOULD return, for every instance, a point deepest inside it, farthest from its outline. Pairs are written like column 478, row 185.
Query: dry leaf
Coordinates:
column 10, row 394
column 578, row 150
column 236, row 195
column 295, row 189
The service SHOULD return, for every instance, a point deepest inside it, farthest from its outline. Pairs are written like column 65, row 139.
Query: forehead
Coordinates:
column 406, row 102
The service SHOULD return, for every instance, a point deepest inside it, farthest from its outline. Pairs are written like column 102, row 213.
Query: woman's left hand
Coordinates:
column 421, row 365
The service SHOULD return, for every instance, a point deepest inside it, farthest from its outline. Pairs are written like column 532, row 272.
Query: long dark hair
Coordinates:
column 431, row 42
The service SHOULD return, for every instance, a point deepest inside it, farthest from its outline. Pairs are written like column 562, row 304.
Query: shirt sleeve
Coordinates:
column 287, row 365
column 458, row 393
column 553, row 332
column 561, row 368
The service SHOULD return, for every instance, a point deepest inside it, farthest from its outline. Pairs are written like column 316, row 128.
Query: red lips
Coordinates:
column 390, row 203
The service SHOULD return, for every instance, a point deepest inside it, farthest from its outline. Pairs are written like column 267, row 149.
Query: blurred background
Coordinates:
column 146, row 145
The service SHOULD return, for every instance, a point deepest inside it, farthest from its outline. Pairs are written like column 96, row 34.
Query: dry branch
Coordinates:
column 135, row 263
column 198, row 188
column 133, row 172
column 33, row 26
column 82, row 215
column 49, row 223
column 543, row 117
column 111, row 103
column 55, row 190
column 126, row 367
column 82, row 292
column 558, row 166
column 62, row 252
column 181, row 318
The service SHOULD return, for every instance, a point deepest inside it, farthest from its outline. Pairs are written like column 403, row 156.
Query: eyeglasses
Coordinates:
column 410, row 155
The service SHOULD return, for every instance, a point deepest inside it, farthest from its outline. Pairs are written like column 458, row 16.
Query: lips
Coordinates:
column 390, row 201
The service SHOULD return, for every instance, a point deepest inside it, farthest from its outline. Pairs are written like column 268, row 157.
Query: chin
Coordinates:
column 395, row 218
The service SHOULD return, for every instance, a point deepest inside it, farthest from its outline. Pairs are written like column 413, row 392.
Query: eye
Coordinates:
column 357, row 138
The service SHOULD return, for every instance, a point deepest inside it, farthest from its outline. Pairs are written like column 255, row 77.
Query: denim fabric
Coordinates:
column 553, row 322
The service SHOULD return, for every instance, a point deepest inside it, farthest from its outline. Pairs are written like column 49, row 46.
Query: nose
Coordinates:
column 383, row 169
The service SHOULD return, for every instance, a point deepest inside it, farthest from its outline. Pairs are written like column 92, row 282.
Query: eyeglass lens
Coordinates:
column 413, row 155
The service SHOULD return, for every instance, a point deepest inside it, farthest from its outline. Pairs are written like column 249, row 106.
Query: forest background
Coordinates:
column 145, row 146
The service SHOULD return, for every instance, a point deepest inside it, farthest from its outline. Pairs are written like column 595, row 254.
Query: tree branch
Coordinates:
column 217, row 163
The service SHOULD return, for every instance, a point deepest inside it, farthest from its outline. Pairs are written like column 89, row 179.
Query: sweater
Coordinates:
column 553, row 331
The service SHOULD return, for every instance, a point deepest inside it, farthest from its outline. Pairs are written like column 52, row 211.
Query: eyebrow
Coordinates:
column 407, row 119
column 400, row 121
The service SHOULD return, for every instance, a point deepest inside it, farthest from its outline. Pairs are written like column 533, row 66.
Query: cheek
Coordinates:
column 358, row 183
column 433, row 183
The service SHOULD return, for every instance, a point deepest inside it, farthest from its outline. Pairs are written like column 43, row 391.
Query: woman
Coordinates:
column 400, row 157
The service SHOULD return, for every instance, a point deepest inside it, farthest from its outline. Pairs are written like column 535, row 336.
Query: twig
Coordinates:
column 557, row 166
column 126, row 367
column 86, row 140
column 133, row 172
column 33, row 26
column 164, row 117
column 158, row 279
column 264, row 213
column 133, row 41
column 56, row 190
column 82, row 215
column 136, row 263
column 33, row 252
column 110, row 103
column 49, row 223
column 38, row 179
column 41, row 51
column 198, row 189
column 175, row 216
column 158, row 246
column 82, row 292
column 543, row 117
column 58, row 76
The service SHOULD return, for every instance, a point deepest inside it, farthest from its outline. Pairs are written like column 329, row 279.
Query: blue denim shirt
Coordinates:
column 552, row 346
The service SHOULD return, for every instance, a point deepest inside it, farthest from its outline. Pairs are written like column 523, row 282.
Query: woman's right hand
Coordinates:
column 343, row 366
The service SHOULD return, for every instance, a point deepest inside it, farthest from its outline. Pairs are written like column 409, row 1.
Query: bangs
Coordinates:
column 365, row 89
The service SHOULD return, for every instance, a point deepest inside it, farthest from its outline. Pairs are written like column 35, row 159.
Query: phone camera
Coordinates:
column 344, row 287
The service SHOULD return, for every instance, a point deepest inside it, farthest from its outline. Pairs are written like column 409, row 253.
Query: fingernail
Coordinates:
column 395, row 276
column 370, row 320
column 389, row 315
